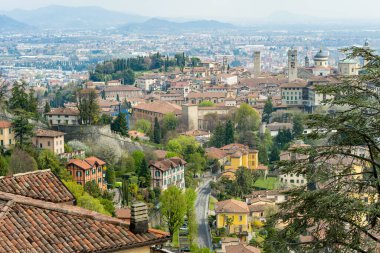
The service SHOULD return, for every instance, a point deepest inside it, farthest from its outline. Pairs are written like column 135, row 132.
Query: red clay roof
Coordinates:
column 48, row 133
column 167, row 164
column 5, row 124
column 92, row 160
column 161, row 107
column 64, row 111
column 79, row 163
column 231, row 206
column 42, row 185
column 39, row 226
column 121, row 88
column 242, row 249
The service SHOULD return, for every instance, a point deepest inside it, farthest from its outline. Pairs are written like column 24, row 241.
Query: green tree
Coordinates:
column 263, row 154
column 138, row 157
column 88, row 106
column 23, row 129
column 245, row 179
column 229, row 133
column 247, row 118
column 145, row 173
column 173, row 208
column 110, row 177
column 196, row 163
column 218, row 136
column 170, row 122
column 120, row 124
column 92, row 188
column 143, row 125
column 3, row 166
column 268, row 109
column 191, row 196
column 297, row 126
column 340, row 204
column 206, row 103
column 274, row 154
column 19, row 97
column 156, row 131
column 88, row 202
column 21, row 162
column 32, row 103
column 48, row 160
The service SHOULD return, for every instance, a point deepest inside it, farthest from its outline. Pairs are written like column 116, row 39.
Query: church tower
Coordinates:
column 256, row 63
column 292, row 65
column 307, row 62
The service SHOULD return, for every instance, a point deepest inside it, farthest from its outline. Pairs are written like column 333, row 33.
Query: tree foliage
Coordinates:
column 340, row 205
column 173, row 208
column 88, row 107
column 120, row 124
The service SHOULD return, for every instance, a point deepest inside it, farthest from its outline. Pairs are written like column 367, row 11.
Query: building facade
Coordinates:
column 7, row 135
column 51, row 140
column 63, row 117
column 168, row 172
column 87, row 170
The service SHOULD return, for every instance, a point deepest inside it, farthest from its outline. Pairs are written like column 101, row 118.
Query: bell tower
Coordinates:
column 256, row 63
column 292, row 65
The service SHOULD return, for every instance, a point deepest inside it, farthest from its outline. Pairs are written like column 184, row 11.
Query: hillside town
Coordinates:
column 190, row 142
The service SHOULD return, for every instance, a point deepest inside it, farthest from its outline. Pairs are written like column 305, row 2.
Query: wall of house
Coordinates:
column 222, row 218
column 55, row 144
column 7, row 137
column 96, row 174
column 145, row 249
column 68, row 120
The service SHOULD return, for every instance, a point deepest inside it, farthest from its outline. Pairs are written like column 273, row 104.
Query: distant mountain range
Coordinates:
column 9, row 24
column 162, row 25
column 62, row 17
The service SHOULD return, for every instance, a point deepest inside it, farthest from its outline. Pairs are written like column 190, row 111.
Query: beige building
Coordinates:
column 63, row 117
column 7, row 136
column 51, row 140
column 122, row 92
column 348, row 67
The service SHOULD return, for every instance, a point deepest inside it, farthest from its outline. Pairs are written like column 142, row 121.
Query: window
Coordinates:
column 2, row 143
column 79, row 173
column 1, row 131
column 40, row 145
column 10, row 142
column 99, row 169
column 240, row 218
column 49, row 143
column 93, row 171
column 87, row 172
column 158, row 174
column 99, row 180
column 10, row 130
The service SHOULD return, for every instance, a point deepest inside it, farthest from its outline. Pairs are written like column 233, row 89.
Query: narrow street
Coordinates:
column 201, row 206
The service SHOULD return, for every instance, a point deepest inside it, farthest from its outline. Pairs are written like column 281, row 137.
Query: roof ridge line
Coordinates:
column 26, row 173
column 62, row 208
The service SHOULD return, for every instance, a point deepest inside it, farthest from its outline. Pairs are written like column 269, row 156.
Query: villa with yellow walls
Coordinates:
column 233, row 215
column 239, row 155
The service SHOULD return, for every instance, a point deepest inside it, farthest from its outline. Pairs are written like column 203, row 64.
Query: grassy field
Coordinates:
column 270, row 183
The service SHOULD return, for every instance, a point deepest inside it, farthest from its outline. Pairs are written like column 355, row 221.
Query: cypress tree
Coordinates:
column 156, row 131
column 230, row 132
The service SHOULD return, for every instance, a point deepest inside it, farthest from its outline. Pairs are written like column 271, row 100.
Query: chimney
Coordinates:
column 139, row 218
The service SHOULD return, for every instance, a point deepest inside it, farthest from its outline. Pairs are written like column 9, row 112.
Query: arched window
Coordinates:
column 158, row 174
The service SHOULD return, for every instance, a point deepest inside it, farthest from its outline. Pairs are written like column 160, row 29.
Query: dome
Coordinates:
column 321, row 56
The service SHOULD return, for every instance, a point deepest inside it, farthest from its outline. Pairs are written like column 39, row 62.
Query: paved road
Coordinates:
column 201, row 206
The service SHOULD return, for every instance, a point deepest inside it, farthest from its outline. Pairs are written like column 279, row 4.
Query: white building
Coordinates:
column 63, row 117
column 348, row 67
column 228, row 79
column 168, row 172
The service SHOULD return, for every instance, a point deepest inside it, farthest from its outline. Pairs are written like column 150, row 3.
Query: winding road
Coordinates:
column 201, row 206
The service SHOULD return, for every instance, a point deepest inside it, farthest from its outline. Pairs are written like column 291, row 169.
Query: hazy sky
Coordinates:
column 225, row 9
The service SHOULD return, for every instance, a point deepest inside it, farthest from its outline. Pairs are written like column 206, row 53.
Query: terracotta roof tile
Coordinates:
column 242, row 249
column 162, row 107
column 39, row 226
column 231, row 206
column 92, row 160
column 5, row 124
column 167, row 164
column 63, row 111
column 48, row 133
column 42, row 185
column 79, row 163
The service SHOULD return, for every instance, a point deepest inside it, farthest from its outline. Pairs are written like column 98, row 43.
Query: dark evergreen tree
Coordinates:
column 110, row 177
column 274, row 155
column 229, row 134
column 120, row 124
column 218, row 136
column 23, row 129
column 156, row 131
column 297, row 126
column 144, row 172
column 47, row 108
column 268, row 109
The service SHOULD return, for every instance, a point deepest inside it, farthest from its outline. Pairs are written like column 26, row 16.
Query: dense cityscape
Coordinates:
column 124, row 133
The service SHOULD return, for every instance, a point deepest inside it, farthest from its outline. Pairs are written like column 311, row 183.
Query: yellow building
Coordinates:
column 7, row 136
column 240, row 155
column 233, row 215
